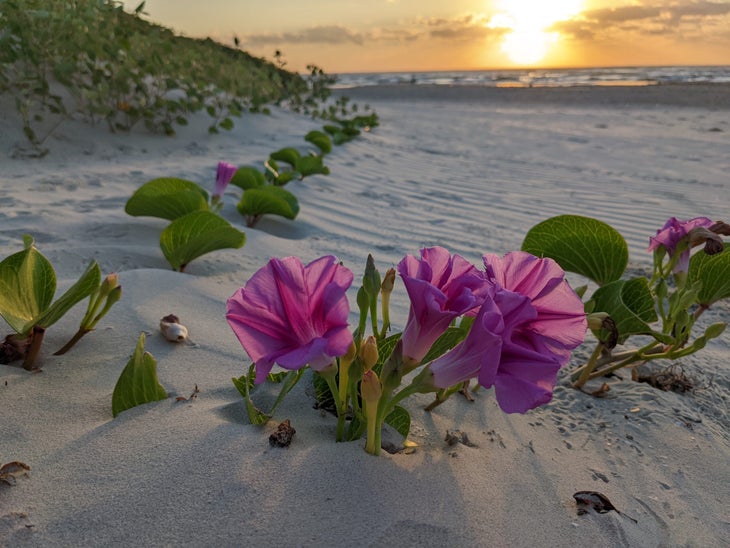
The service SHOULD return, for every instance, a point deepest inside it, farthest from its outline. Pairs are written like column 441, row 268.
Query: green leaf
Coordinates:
column 385, row 349
column 269, row 200
column 714, row 273
column 196, row 234
column 247, row 177
column 167, row 198
column 138, row 383
column 322, row 393
column 630, row 305
column 400, row 420
column 288, row 155
column 580, row 244
column 285, row 177
column 311, row 165
column 289, row 382
column 84, row 286
column 27, row 286
column 226, row 124
column 245, row 385
column 319, row 139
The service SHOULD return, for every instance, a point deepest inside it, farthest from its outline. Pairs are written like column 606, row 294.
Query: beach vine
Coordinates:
column 197, row 228
column 499, row 326
column 27, row 290
column 511, row 326
column 661, row 310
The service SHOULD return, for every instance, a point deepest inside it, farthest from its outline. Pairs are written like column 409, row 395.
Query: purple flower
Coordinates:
column 293, row 315
column 441, row 288
column 543, row 321
column 476, row 356
column 671, row 235
column 527, row 325
column 223, row 176
column 560, row 322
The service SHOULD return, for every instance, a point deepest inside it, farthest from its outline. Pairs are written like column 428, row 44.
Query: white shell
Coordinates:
column 174, row 331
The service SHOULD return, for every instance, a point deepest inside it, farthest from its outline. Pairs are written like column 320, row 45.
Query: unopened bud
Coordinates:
column 351, row 353
column 371, row 389
column 369, row 352
column 595, row 320
column 109, row 283
column 388, row 281
column 114, row 295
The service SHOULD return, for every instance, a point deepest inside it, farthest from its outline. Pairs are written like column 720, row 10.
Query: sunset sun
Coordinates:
column 528, row 39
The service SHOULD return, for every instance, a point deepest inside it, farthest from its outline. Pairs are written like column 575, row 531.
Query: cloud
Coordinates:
column 649, row 18
column 328, row 34
column 467, row 27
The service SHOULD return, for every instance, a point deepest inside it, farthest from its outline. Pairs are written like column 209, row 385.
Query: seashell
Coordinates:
column 172, row 329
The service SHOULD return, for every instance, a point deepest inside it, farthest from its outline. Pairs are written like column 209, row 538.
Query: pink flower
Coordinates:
column 671, row 235
column 476, row 356
column 544, row 321
column 441, row 288
column 539, row 320
column 523, row 376
column 293, row 315
column 560, row 322
column 223, row 176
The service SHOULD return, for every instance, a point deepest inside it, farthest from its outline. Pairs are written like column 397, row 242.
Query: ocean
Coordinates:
column 613, row 76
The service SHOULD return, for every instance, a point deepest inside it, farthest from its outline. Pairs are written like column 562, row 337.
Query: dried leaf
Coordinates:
column 597, row 501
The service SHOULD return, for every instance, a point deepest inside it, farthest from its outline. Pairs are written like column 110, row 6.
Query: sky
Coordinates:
column 344, row 36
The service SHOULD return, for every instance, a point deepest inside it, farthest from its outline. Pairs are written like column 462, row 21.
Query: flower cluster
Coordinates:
column 510, row 326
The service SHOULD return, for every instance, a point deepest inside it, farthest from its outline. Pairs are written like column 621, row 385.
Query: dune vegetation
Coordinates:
column 90, row 59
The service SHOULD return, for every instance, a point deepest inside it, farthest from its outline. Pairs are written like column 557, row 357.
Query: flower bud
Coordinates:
column 350, row 354
column 595, row 320
column 371, row 389
column 369, row 352
column 109, row 283
column 388, row 281
column 114, row 295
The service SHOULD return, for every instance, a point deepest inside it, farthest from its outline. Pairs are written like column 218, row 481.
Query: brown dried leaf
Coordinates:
column 597, row 501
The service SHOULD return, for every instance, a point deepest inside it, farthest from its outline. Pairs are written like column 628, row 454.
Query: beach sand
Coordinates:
column 470, row 170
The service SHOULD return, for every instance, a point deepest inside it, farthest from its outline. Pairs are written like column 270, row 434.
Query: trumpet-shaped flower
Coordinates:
column 671, row 236
column 293, row 315
column 441, row 288
column 523, row 375
column 560, row 322
column 544, row 321
column 476, row 356
column 223, row 176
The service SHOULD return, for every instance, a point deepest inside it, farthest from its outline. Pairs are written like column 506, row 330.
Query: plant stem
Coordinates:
column 330, row 378
column 373, row 439
column 700, row 310
column 34, row 348
column 76, row 338
column 589, row 366
column 344, row 381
